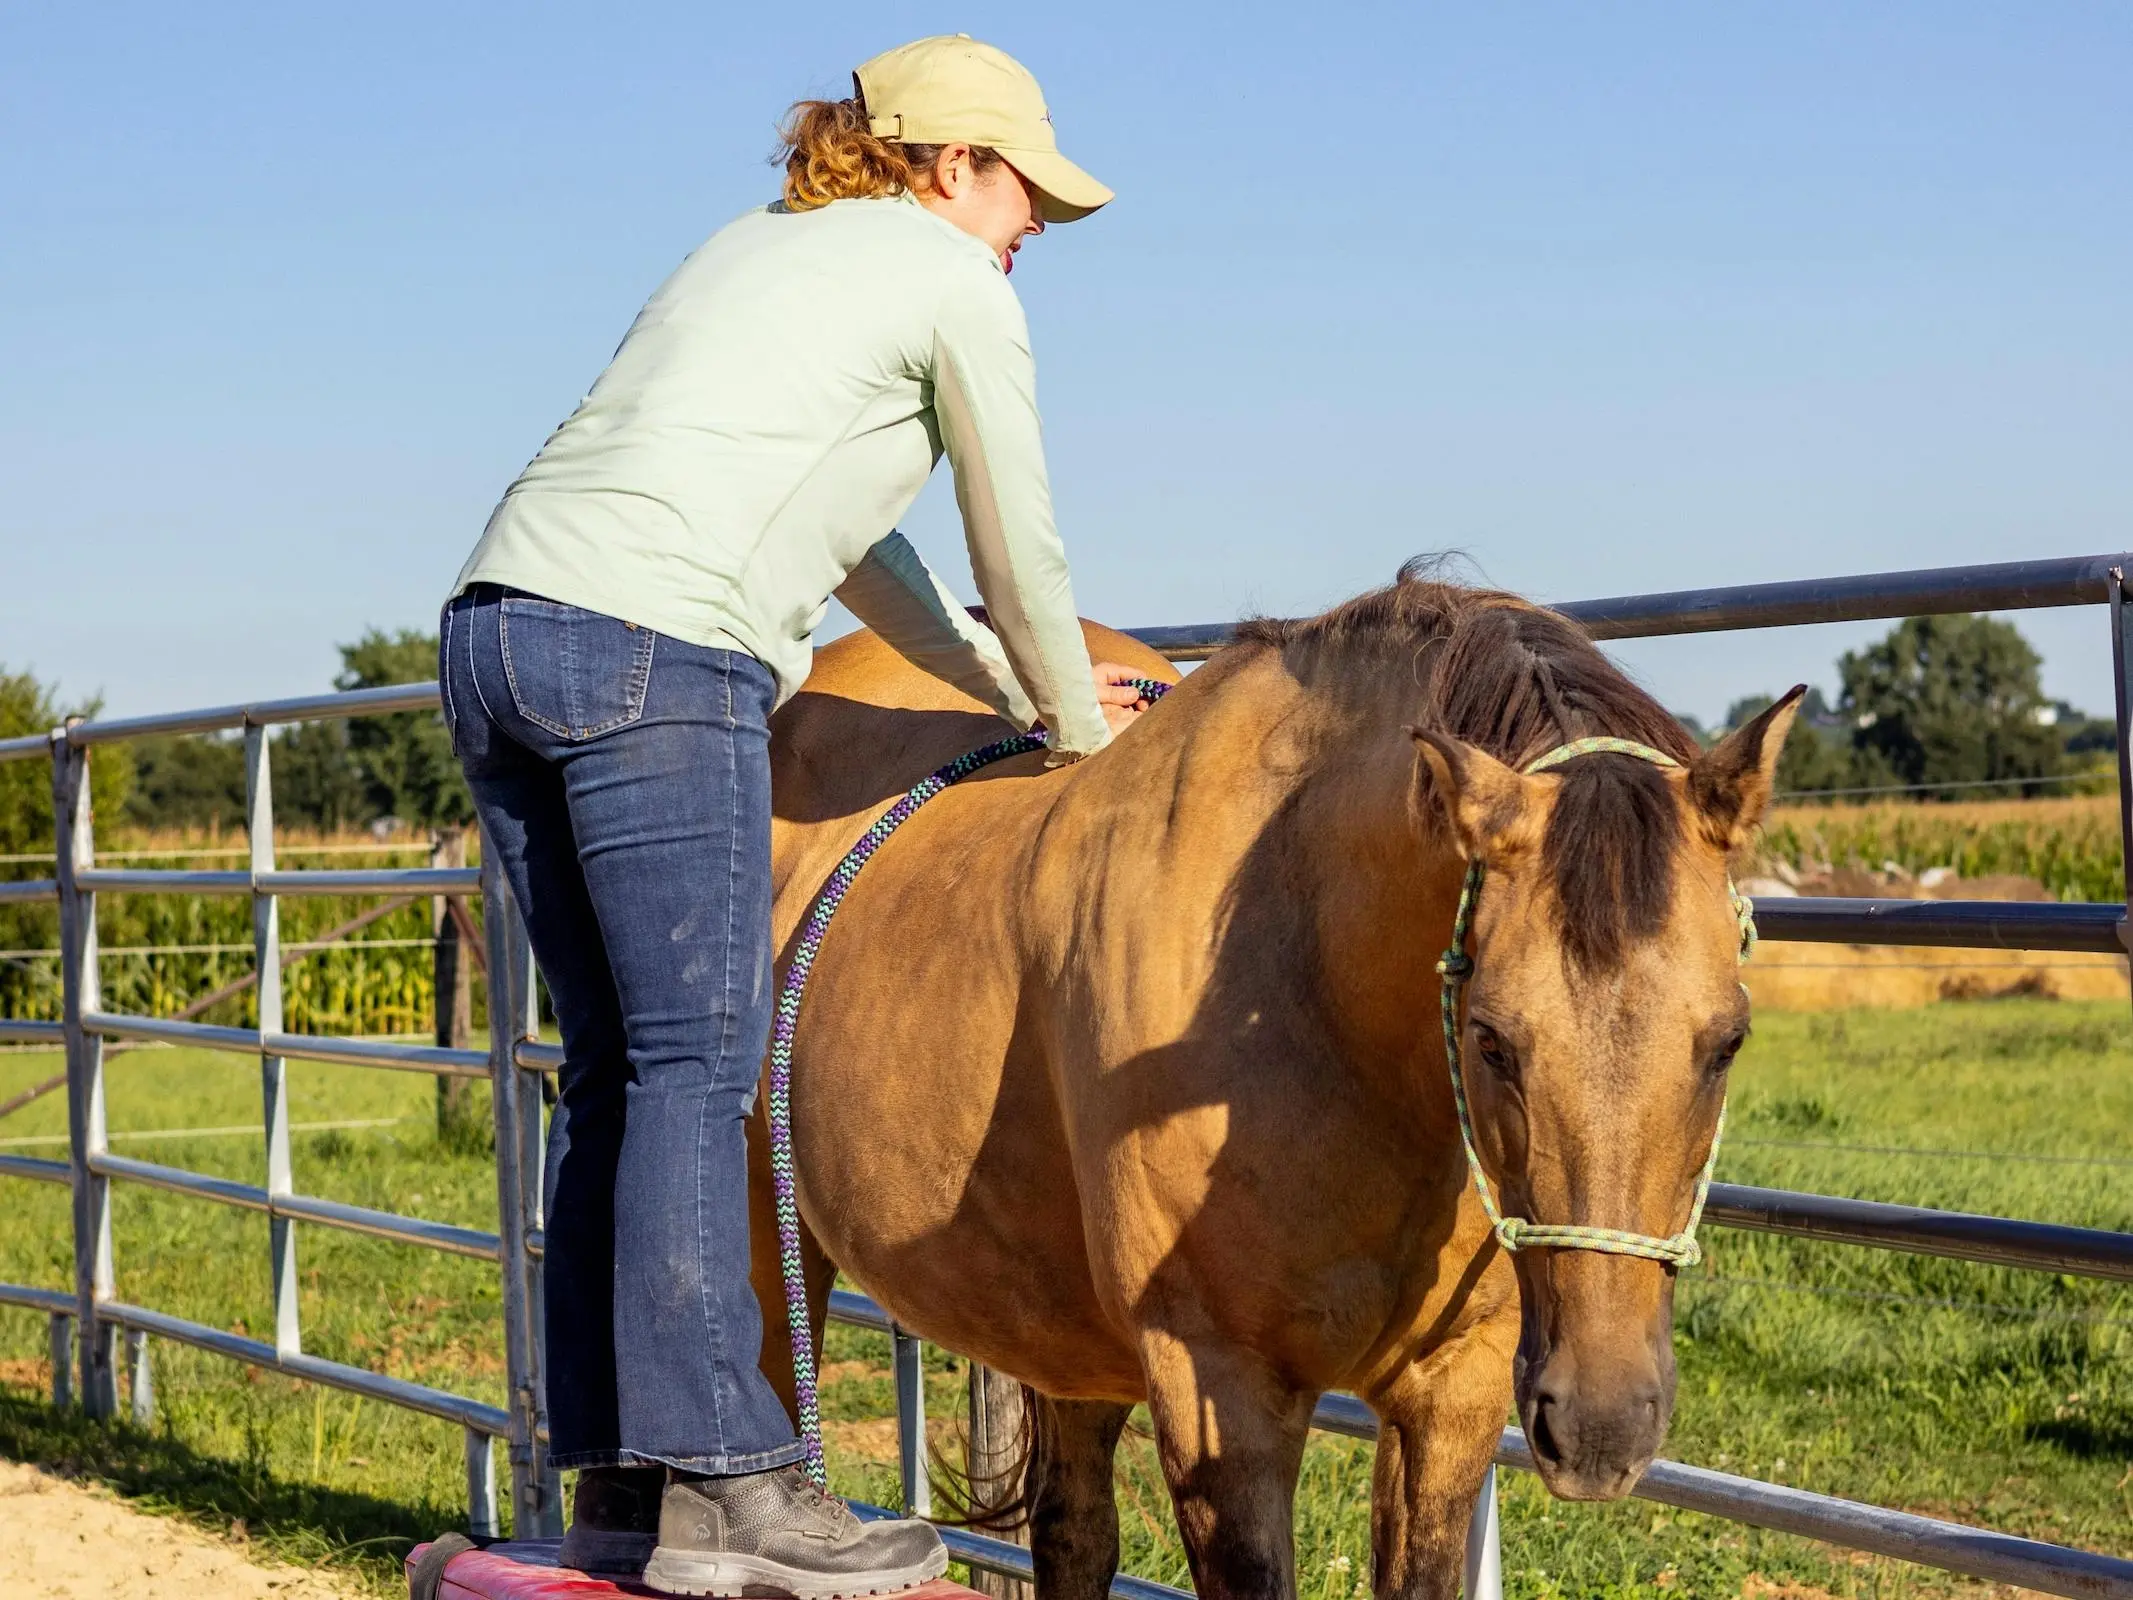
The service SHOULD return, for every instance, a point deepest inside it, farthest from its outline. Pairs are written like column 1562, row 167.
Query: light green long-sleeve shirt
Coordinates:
column 769, row 417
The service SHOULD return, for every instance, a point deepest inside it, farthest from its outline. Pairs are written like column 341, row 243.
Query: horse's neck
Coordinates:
column 1376, row 892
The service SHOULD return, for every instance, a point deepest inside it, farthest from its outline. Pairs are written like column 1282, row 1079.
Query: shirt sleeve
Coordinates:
column 985, row 403
column 895, row 593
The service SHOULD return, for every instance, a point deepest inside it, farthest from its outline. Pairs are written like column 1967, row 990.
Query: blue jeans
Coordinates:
column 624, row 780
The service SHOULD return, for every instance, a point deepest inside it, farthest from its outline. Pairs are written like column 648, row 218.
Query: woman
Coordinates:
column 643, row 597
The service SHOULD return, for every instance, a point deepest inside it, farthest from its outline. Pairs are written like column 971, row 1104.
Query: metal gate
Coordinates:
column 87, row 1318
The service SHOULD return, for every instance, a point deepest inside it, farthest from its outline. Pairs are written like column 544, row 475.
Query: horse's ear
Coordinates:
column 1483, row 800
column 1732, row 782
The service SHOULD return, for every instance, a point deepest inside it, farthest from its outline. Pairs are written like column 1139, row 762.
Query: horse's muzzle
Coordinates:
column 1592, row 1446
column 1595, row 1393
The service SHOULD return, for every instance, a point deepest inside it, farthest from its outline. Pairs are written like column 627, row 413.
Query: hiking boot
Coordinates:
column 776, row 1533
column 614, row 1519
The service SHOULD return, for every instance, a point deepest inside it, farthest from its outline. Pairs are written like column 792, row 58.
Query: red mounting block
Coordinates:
column 526, row 1569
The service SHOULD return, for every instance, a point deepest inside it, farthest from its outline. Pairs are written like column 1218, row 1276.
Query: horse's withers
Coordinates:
column 1604, row 1012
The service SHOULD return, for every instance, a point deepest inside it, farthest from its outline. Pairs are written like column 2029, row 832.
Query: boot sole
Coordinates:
column 604, row 1550
column 733, row 1576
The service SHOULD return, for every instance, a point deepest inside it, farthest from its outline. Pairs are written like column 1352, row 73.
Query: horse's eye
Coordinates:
column 1727, row 1051
column 1495, row 1054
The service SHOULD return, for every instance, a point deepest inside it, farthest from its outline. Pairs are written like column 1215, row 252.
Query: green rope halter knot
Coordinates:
column 1457, row 967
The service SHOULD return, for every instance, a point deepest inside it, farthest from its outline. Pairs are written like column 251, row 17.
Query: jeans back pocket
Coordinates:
column 576, row 673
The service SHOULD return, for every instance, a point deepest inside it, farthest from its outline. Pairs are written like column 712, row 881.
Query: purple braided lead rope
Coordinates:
column 785, row 1025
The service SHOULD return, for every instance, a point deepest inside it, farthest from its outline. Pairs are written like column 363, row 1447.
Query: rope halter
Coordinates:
column 1457, row 967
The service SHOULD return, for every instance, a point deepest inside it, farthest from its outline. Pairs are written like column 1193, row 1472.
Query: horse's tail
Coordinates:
column 999, row 1501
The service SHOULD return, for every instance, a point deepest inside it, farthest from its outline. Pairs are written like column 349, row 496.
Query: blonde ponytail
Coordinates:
column 830, row 152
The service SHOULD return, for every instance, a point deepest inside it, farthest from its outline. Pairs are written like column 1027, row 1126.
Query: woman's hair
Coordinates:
column 830, row 152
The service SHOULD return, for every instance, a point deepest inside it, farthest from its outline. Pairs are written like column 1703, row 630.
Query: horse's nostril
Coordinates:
column 1541, row 1436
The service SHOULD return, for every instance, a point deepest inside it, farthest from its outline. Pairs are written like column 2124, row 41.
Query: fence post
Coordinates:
column 481, row 1485
column 910, row 1369
column 80, row 990
column 1484, row 1545
column 993, row 1461
column 2122, row 695
column 273, row 1070
column 452, row 976
column 531, row 1492
column 61, row 1340
column 533, row 1193
column 144, row 1387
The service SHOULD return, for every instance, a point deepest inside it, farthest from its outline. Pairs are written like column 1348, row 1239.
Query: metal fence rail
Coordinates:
column 1947, row 924
column 1996, row 1241
column 86, row 1319
column 433, row 1059
column 1865, row 597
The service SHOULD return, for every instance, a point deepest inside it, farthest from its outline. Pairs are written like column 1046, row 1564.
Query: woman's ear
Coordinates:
column 953, row 170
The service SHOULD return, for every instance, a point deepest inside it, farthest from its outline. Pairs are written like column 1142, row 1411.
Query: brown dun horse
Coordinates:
column 1127, row 1079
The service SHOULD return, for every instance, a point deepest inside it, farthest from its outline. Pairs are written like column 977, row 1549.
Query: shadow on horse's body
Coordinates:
column 1126, row 1079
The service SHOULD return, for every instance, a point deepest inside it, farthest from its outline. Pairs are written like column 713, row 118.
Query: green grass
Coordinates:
column 1995, row 1397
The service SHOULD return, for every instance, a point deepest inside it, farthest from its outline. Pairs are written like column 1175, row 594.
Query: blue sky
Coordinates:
column 1614, row 298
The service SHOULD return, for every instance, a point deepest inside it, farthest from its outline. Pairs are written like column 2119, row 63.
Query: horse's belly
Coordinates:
column 933, row 1165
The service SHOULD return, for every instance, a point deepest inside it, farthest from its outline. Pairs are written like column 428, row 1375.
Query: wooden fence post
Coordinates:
column 454, row 983
column 995, row 1439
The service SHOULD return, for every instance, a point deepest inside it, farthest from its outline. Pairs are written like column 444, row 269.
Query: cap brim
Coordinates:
column 1065, row 193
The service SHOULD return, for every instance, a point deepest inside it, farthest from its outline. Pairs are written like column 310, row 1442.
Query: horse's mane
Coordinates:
column 1516, row 680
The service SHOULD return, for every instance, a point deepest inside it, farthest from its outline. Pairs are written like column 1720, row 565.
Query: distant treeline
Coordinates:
column 327, row 776
column 1941, row 707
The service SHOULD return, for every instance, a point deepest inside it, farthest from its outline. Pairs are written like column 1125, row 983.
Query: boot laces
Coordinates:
column 819, row 1498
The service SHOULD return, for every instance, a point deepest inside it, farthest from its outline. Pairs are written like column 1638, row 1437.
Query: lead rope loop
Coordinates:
column 784, row 1025
column 1456, row 967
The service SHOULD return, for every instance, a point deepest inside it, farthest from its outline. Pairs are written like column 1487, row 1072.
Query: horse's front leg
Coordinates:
column 1438, row 1423
column 1230, row 1435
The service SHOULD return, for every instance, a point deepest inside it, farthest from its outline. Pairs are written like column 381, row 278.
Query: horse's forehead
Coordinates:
column 1681, row 972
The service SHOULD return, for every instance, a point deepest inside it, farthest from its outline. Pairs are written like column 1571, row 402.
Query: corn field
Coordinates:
column 2071, row 846
column 163, row 954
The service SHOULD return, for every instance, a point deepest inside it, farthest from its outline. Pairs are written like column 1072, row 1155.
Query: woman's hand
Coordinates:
column 1116, row 693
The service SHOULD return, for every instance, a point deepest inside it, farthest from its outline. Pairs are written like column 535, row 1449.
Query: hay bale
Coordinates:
column 1826, row 977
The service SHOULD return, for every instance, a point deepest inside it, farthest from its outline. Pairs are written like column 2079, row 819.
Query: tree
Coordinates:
column 1952, row 699
column 328, row 775
column 2082, row 734
column 316, row 779
column 187, row 781
column 197, row 781
column 30, row 988
column 405, row 761
column 30, row 707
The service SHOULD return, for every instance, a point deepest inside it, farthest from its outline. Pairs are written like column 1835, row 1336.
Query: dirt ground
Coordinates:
column 68, row 1542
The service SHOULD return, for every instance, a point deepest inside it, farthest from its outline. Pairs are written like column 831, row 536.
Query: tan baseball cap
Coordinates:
column 954, row 89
